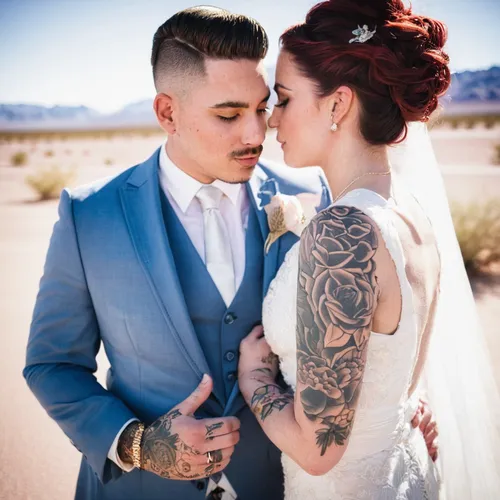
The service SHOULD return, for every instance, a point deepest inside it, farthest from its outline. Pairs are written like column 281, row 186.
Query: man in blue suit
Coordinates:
column 165, row 266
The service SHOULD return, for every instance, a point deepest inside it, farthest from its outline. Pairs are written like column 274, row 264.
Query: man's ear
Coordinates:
column 164, row 110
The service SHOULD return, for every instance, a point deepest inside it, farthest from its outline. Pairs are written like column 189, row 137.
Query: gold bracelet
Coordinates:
column 136, row 446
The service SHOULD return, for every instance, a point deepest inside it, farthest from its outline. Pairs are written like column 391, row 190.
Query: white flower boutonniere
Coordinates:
column 289, row 213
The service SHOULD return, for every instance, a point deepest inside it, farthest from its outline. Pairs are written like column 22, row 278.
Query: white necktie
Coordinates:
column 218, row 254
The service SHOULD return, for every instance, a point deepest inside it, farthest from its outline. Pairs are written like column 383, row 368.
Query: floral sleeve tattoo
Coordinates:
column 268, row 398
column 337, row 292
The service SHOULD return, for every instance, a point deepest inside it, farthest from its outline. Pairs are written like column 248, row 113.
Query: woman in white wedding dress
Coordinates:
column 352, row 310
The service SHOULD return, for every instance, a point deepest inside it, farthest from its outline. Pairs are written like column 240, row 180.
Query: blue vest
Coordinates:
column 220, row 329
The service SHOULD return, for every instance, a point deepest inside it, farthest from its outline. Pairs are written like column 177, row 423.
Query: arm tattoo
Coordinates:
column 336, row 296
column 268, row 398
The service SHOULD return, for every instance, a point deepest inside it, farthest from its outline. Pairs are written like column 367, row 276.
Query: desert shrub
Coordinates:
column 49, row 182
column 478, row 232
column 454, row 123
column 19, row 159
column 496, row 154
column 109, row 162
column 49, row 153
column 489, row 122
column 470, row 123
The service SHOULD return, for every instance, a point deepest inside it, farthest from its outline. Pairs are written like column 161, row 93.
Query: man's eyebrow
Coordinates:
column 280, row 86
column 239, row 104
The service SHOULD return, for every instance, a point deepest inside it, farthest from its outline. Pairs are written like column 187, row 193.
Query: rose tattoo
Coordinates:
column 337, row 293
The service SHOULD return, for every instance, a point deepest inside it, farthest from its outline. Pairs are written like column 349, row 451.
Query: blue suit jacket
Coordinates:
column 109, row 277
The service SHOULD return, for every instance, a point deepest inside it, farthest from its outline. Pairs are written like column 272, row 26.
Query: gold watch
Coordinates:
column 136, row 445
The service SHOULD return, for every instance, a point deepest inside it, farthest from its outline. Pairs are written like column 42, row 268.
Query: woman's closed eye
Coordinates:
column 283, row 103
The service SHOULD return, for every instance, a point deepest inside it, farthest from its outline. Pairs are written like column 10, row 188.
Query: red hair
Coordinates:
column 397, row 75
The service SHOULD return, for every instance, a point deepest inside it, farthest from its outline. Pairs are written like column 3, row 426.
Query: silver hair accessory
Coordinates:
column 363, row 34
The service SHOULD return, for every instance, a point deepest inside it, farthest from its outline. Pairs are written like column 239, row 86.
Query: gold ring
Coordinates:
column 210, row 459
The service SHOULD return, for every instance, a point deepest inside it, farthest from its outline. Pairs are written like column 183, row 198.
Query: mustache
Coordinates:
column 247, row 152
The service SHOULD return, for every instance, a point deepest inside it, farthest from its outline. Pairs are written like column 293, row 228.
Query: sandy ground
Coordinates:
column 36, row 459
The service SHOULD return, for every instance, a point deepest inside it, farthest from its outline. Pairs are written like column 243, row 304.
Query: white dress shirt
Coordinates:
column 180, row 190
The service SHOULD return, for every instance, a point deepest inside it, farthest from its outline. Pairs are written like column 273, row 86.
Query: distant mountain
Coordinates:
column 476, row 85
column 470, row 92
column 474, row 92
column 136, row 113
column 37, row 117
column 29, row 114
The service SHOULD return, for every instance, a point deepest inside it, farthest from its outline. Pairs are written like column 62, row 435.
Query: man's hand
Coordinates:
column 428, row 426
column 178, row 446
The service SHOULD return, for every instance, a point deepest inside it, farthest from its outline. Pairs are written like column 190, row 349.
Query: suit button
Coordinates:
column 230, row 318
column 231, row 376
column 200, row 485
column 229, row 356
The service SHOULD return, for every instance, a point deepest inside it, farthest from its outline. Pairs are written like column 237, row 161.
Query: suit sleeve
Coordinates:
column 61, row 354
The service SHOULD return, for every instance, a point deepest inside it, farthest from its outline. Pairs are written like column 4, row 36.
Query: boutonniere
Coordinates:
column 289, row 213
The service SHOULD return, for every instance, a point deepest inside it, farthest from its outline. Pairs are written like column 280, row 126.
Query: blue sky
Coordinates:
column 96, row 52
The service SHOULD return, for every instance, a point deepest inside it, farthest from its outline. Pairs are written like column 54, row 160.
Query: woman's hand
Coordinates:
column 256, row 358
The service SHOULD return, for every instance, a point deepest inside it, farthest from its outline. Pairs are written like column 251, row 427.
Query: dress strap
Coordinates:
column 381, row 212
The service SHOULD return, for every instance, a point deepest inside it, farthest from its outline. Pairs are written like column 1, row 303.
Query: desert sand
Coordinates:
column 36, row 459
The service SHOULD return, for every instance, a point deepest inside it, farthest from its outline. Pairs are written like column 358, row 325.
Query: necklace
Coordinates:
column 357, row 179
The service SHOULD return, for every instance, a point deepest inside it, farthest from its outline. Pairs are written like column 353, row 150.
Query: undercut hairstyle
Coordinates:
column 183, row 43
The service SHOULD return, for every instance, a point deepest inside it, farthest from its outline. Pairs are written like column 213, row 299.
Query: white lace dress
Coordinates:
column 385, row 458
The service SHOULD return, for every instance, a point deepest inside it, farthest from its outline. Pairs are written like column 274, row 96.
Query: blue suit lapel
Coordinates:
column 142, row 210
column 235, row 401
column 271, row 258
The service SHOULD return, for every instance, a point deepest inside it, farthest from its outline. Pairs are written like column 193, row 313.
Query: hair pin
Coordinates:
column 363, row 34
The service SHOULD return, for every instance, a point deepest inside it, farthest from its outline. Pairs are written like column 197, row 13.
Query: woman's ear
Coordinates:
column 164, row 110
column 339, row 104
